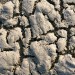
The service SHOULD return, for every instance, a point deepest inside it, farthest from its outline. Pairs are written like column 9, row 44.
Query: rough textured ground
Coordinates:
column 37, row 37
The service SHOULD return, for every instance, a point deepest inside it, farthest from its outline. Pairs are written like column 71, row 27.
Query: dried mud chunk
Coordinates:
column 27, row 37
column 1, row 7
column 47, row 9
column 14, row 35
column 16, row 5
column 44, row 7
column 4, row 1
column 24, row 21
column 62, row 33
column 27, row 68
column 65, row 65
column 3, row 41
column 7, row 10
column 33, row 68
column 61, row 43
column 51, row 49
column 15, row 2
column 72, row 43
column 69, row 17
column 11, row 22
column 24, row 69
column 7, row 61
column 72, row 31
column 39, row 24
column 50, row 38
column 43, row 60
column 28, row 6
column 57, row 4
column 26, row 51
column 69, row 1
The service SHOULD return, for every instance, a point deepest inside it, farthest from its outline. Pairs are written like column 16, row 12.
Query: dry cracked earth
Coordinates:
column 37, row 37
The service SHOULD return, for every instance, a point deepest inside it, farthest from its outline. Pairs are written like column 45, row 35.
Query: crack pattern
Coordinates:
column 37, row 37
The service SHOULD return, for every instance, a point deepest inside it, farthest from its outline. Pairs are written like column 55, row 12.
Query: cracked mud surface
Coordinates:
column 37, row 37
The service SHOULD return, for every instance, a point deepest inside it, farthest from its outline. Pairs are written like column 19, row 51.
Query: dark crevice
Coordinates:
column 27, row 26
column 20, row 7
column 68, row 37
column 6, row 37
column 39, row 0
column 0, row 34
column 71, row 3
column 30, row 70
column 15, row 70
column 23, row 31
column 34, row 8
column 61, row 10
column 50, row 31
column 30, row 26
column 73, row 52
column 29, row 56
column 51, row 2
column 7, row 49
column 15, row 14
column 34, row 39
column 21, row 51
